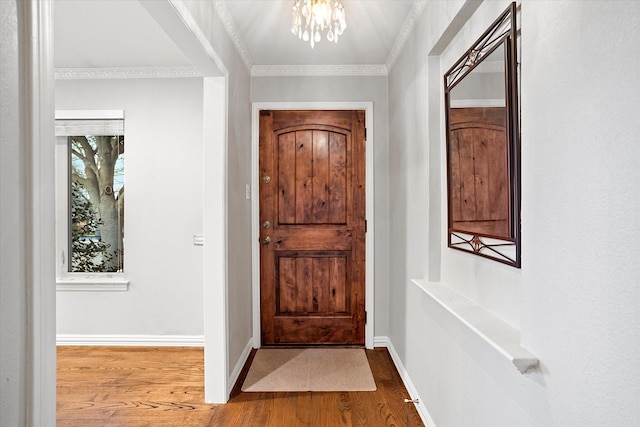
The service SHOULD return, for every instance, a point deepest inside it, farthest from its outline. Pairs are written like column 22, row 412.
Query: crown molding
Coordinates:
column 125, row 73
column 318, row 70
column 231, row 29
column 403, row 36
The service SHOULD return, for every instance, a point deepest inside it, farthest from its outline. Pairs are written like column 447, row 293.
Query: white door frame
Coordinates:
column 39, row 250
column 255, row 204
column 216, row 342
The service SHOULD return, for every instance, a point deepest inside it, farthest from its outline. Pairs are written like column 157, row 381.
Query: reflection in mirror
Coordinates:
column 478, row 152
column 483, row 146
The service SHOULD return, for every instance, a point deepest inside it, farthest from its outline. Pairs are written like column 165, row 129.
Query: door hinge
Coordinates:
column 365, row 317
column 365, row 225
column 365, row 134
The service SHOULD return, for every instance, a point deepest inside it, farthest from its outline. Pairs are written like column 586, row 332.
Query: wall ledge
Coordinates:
column 92, row 283
column 504, row 338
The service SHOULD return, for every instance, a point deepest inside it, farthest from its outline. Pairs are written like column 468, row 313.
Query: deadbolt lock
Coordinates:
column 266, row 224
column 266, row 179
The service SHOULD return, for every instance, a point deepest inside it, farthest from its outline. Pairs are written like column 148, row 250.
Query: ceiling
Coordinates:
column 120, row 33
column 110, row 33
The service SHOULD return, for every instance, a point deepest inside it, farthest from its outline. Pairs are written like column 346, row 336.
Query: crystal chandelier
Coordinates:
column 319, row 16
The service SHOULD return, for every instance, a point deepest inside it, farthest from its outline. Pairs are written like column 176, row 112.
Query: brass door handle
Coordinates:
column 266, row 240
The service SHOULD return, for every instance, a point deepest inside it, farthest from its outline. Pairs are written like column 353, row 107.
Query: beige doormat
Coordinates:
column 310, row 369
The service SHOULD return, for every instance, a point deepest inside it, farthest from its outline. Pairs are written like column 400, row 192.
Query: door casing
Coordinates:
column 255, row 204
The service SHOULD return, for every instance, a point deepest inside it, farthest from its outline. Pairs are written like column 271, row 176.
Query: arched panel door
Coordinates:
column 312, row 222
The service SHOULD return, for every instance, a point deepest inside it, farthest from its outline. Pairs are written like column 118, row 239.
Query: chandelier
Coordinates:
column 319, row 16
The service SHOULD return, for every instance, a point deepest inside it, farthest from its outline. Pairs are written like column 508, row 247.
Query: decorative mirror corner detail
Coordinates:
column 483, row 145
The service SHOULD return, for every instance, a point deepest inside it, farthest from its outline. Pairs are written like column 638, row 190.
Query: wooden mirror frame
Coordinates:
column 466, row 233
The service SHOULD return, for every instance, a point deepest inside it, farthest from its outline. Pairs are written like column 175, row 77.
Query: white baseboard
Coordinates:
column 411, row 388
column 132, row 340
column 381, row 341
column 235, row 374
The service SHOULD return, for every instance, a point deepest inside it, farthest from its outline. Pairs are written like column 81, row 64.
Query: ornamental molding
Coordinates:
column 403, row 36
column 318, row 70
column 232, row 30
column 125, row 73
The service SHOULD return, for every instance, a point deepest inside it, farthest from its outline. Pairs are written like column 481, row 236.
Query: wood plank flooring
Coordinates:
column 163, row 386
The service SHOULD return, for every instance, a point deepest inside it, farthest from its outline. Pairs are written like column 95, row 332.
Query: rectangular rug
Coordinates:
column 309, row 369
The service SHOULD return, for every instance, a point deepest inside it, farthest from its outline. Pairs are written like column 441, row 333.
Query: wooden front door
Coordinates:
column 312, row 227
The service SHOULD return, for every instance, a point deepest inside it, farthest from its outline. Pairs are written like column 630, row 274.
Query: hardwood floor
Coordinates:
column 163, row 386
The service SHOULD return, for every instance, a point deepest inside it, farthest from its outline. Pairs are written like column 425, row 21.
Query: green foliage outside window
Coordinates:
column 97, row 203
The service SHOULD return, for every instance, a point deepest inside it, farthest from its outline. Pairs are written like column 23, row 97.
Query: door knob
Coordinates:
column 266, row 240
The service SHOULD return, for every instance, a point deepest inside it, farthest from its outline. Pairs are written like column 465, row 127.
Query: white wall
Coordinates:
column 576, row 299
column 13, row 295
column 163, row 209
column 345, row 89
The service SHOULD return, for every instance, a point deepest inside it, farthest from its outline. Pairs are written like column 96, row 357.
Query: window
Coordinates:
column 90, row 195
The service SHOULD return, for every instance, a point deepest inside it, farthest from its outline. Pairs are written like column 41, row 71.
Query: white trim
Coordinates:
column 92, row 284
column 89, row 114
column 193, row 42
column 405, row 32
column 215, row 134
column 39, row 249
column 233, row 33
column 237, row 370
column 411, row 388
column 380, row 341
column 318, row 70
column 131, row 340
column 168, row 72
column 255, row 204
column 176, row 20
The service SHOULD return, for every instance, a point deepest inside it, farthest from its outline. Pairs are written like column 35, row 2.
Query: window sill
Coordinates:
column 498, row 334
column 92, row 283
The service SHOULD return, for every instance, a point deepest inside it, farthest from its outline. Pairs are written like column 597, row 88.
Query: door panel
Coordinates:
column 311, row 177
column 312, row 264
column 313, row 283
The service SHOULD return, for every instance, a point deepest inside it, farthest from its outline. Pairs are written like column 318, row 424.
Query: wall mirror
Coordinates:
column 483, row 145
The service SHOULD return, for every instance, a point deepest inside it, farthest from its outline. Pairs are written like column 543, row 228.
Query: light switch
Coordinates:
column 247, row 192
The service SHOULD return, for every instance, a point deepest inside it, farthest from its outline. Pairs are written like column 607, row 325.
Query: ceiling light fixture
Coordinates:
column 319, row 15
